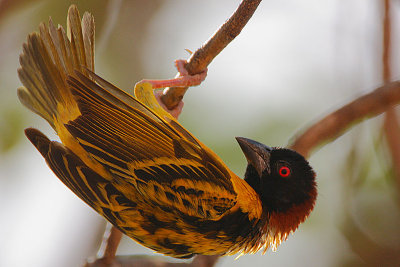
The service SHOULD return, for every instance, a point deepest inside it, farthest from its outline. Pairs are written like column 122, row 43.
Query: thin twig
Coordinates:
column 339, row 121
column 203, row 56
column 391, row 125
column 386, row 53
column 112, row 238
column 112, row 245
column 154, row 261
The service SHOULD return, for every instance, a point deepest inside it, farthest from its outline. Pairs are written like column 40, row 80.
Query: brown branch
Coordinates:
column 112, row 245
column 391, row 125
column 336, row 123
column 386, row 54
column 156, row 261
column 111, row 240
column 203, row 56
column 8, row 6
column 392, row 132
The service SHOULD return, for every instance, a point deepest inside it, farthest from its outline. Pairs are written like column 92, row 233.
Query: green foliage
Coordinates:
column 12, row 123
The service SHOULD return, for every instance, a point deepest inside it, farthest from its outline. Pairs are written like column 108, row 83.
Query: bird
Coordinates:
column 132, row 162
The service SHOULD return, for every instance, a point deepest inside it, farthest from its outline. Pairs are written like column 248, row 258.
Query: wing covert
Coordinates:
column 165, row 163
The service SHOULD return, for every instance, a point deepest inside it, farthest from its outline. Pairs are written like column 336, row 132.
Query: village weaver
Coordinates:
column 133, row 163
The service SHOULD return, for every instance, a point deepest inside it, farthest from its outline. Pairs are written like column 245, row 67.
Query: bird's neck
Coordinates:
column 248, row 200
column 281, row 224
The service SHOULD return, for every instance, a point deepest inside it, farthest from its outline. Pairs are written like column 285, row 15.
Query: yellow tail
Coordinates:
column 48, row 58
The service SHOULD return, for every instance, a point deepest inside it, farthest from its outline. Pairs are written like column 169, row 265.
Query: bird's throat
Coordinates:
column 281, row 224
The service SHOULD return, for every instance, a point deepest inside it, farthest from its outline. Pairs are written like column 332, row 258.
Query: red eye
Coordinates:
column 284, row 171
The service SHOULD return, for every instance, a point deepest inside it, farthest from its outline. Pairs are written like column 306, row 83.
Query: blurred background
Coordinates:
column 293, row 63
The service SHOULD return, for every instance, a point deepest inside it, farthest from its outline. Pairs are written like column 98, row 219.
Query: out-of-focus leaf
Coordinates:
column 11, row 128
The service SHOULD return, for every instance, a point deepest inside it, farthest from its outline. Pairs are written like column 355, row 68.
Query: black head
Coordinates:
column 282, row 177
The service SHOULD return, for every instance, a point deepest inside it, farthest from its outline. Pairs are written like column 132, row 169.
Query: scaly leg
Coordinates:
column 182, row 80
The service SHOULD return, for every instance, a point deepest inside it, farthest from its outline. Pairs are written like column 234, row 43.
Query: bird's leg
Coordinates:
column 183, row 79
column 112, row 244
column 108, row 249
column 175, row 112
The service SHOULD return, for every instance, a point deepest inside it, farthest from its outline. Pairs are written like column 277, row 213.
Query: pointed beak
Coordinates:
column 257, row 154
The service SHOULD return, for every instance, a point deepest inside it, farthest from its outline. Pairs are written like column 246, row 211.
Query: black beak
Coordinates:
column 257, row 154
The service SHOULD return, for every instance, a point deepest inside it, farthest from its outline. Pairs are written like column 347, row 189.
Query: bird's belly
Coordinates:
column 183, row 236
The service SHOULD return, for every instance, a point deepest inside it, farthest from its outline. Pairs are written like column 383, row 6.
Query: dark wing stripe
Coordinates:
column 140, row 117
column 185, row 133
column 55, row 159
column 167, row 173
column 105, row 156
column 91, row 131
column 98, row 139
column 219, row 176
column 119, row 97
column 109, row 115
column 114, row 168
column 136, row 128
column 96, row 111
column 77, row 178
column 125, row 101
column 146, row 152
column 122, row 175
column 93, row 184
column 96, row 191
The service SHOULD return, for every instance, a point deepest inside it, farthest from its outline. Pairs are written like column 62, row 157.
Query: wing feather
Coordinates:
column 165, row 163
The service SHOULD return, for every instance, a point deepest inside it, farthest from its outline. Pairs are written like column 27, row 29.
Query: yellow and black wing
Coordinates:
column 125, row 141
column 164, row 163
column 127, row 157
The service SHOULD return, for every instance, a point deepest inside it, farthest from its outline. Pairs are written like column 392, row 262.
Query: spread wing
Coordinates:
column 166, row 165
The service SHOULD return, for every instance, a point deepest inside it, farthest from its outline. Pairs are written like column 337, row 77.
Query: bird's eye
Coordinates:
column 284, row 171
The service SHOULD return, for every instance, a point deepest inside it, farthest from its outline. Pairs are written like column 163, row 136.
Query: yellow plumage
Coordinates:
column 128, row 158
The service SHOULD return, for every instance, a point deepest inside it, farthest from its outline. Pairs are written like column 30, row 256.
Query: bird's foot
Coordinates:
column 184, row 79
column 176, row 111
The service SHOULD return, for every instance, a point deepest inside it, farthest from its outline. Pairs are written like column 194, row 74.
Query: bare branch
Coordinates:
column 203, row 56
column 386, row 54
column 391, row 125
column 336, row 123
column 112, row 245
column 156, row 261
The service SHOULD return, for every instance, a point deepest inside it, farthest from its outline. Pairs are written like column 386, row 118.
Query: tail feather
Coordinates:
column 69, row 168
column 39, row 140
column 88, row 30
column 49, row 57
